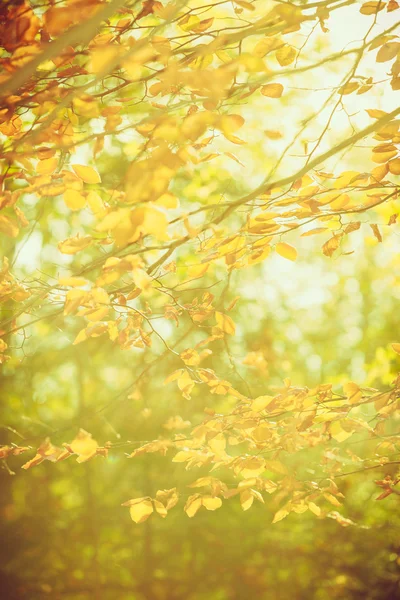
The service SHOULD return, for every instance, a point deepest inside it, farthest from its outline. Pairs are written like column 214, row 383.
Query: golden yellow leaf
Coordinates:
column 314, row 508
column 348, row 88
column 376, row 232
column 96, row 204
column 396, row 348
column 168, row 200
column 192, row 505
column 141, row 510
column 101, row 57
column 72, row 281
column 281, row 514
column 211, row 502
column 75, row 244
column 8, row 227
column 394, row 166
column 383, row 157
column 352, row 392
column 225, row 323
column 87, row 174
column 47, row 166
column 218, row 444
column 338, row 433
column 331, row 245
column 246, row 499
column 314, row 231
column 371, row 8
column 272, row 90
column 286, row 250
column 285, row 55
column 375, row 113
column 190, row 357
column 74, row 199
column 261, row 402
column 84, row 446
column 388, row 51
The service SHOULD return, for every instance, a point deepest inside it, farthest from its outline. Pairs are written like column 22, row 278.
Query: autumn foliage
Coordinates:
column 168, row 170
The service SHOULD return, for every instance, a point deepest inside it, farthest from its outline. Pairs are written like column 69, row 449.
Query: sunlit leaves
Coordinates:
column 272, row 90
column 74, row 199
column 46, row 166
column 352, row 392
column 175, row 230
column 75, row 244
column 348, row 88
column 286, row 250
column 285, row 55
column 84, row 446
column 394, row 166
column 225, row 323
column 261, row 403
column 280, row 515
column 87, row 174
column 8, row 226
column 196, row 501
column 331, row 245
column 140, row 509
column 388, row 51
column 371, row 8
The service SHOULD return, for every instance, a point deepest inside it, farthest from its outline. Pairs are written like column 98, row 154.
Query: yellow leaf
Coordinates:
column 141, row 510
column 371, row 8
column 260, row 403
column 8, row 227
column 160, row 509
column 338, row 433
column 352, row 391
column 331, row 245
column 96, row 204
column 181, row 456
column 272, row 90
column 396, row 348
column 332, row 499
column 46, row 166
column 168, row 200
column 84, row 445
column 285, row 55
column 192, row 505
column 218, row 444
column 87, row 174
column 225, row 323
column 348, row 88
column 314, row 231
column 74, row 199
column 246, row 499
column 374, row 113
column 376, row 232
column 188, row 23
column 286, row 250
column 72, row 281
column 314, row 508
column 103, row 56
column 211, row 502
column 383, row 157
column 281, row 514
column 190, row 357
column 75, row 244
column 388, row 52
column 394, row 166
